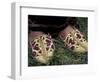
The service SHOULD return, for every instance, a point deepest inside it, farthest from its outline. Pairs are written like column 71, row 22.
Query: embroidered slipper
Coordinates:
column 42, row 46
column 74, row 39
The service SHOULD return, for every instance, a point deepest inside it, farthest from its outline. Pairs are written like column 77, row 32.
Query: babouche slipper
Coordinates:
column 42, row 46
column 74, row 39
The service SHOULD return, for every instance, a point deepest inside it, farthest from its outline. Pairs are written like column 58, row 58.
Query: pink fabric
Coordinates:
column 64, row 33
column 35, row 34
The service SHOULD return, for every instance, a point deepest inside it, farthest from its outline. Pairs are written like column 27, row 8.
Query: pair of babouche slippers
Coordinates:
column 43, row 45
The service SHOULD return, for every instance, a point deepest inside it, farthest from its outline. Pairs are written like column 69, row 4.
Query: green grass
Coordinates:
column 63, row 55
